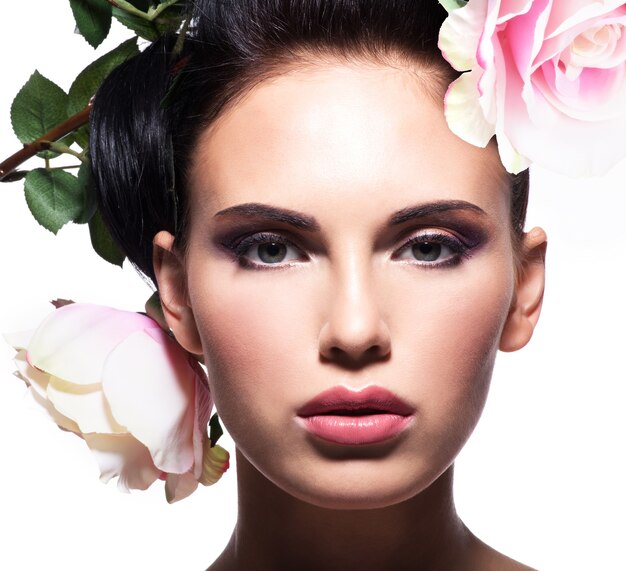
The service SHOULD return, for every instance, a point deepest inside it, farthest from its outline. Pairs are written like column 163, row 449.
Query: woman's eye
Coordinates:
column 266, row 250
column 429, row 251
column 271, row 253
column 432, row 250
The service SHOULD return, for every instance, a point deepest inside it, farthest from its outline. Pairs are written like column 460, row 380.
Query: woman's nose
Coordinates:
column 355, row 332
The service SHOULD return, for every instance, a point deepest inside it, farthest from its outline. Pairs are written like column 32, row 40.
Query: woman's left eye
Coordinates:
column 432, row 250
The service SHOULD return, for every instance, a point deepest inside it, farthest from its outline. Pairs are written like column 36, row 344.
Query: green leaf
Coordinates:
column 103, row 242
column 81, row 136
column 143, row 28
column 88, row 81
column 54, row 197
column 171, row 19
column 38, row 107
column 93, row 19
column 452, row 5
column 152, row 27
column 215, row 429
column 88, row 195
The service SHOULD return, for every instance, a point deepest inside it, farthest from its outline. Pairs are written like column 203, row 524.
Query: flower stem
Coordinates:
column 152, row 13
column 127, row 7
column 9, row 165
column 64, row 149
column 178, row 46
column 63, row 168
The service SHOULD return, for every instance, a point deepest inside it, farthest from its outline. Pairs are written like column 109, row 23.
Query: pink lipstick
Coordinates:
column 354, row 418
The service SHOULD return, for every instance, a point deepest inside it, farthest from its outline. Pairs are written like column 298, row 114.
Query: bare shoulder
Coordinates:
column 488, row 559
column 504, row 563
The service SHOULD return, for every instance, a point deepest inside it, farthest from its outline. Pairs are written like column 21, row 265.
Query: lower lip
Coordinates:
column 356, row 430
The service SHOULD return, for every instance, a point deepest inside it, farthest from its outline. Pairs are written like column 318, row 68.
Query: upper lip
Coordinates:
column 341, row 400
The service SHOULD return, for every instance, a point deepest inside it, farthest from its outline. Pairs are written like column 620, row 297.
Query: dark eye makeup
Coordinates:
column 271, row 250
column 434, row 249
column 264, row 250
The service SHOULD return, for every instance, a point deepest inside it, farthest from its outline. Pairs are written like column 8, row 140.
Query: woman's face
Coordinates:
column 345, row 245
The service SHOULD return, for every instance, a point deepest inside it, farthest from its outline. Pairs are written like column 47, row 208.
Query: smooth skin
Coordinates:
column 340, row 234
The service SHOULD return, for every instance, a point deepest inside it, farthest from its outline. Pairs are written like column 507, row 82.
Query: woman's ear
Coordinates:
column 169, row 269
column 526, row 306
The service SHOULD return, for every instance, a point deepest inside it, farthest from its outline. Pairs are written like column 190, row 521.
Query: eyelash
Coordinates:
column 241, row 246
column 460, row 251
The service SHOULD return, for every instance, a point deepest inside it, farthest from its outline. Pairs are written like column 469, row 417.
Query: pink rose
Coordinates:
column 140, row 402
column 546, row 77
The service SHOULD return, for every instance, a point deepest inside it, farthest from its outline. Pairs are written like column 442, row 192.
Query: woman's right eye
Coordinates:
column 266, row 250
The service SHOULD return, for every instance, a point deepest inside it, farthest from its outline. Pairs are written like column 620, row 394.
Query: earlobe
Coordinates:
column 526, row 307
column 170, row 273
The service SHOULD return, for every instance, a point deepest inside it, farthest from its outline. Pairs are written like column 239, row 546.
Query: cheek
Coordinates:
column 450, row 334
column 259, row 345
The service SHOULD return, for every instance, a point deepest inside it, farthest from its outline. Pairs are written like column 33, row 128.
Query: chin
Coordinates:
column 359, row 486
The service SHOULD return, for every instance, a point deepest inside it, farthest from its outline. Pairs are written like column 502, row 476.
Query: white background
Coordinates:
column 542, row 479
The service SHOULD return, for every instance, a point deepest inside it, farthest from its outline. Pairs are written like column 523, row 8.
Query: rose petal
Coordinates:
column 575, row 148
column 567, row 15
column 557, row 44
column 513, row 161
column 203, row 406
column 61, row 420
column 19, row 339
column 508, row 94
column 497, row 19
column 596, row 95
column 524, row 38
column 123, row 456
column 463, row 112
column 150, row 388
column 73, row 341
column 179, row 486
column 582, row 149
column 35, row 379
column 460, row 34
column 605, row 53
column 85, row 405
column 510, row 9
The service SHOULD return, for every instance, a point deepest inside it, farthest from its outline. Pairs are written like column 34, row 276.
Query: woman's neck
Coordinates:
column 277, row 531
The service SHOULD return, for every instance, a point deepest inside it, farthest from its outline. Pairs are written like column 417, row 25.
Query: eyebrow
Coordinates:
column 256, row 209
column 306, row 222
column 423, row 210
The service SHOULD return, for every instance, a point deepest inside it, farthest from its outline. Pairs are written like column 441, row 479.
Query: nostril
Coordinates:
column 355, row 359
